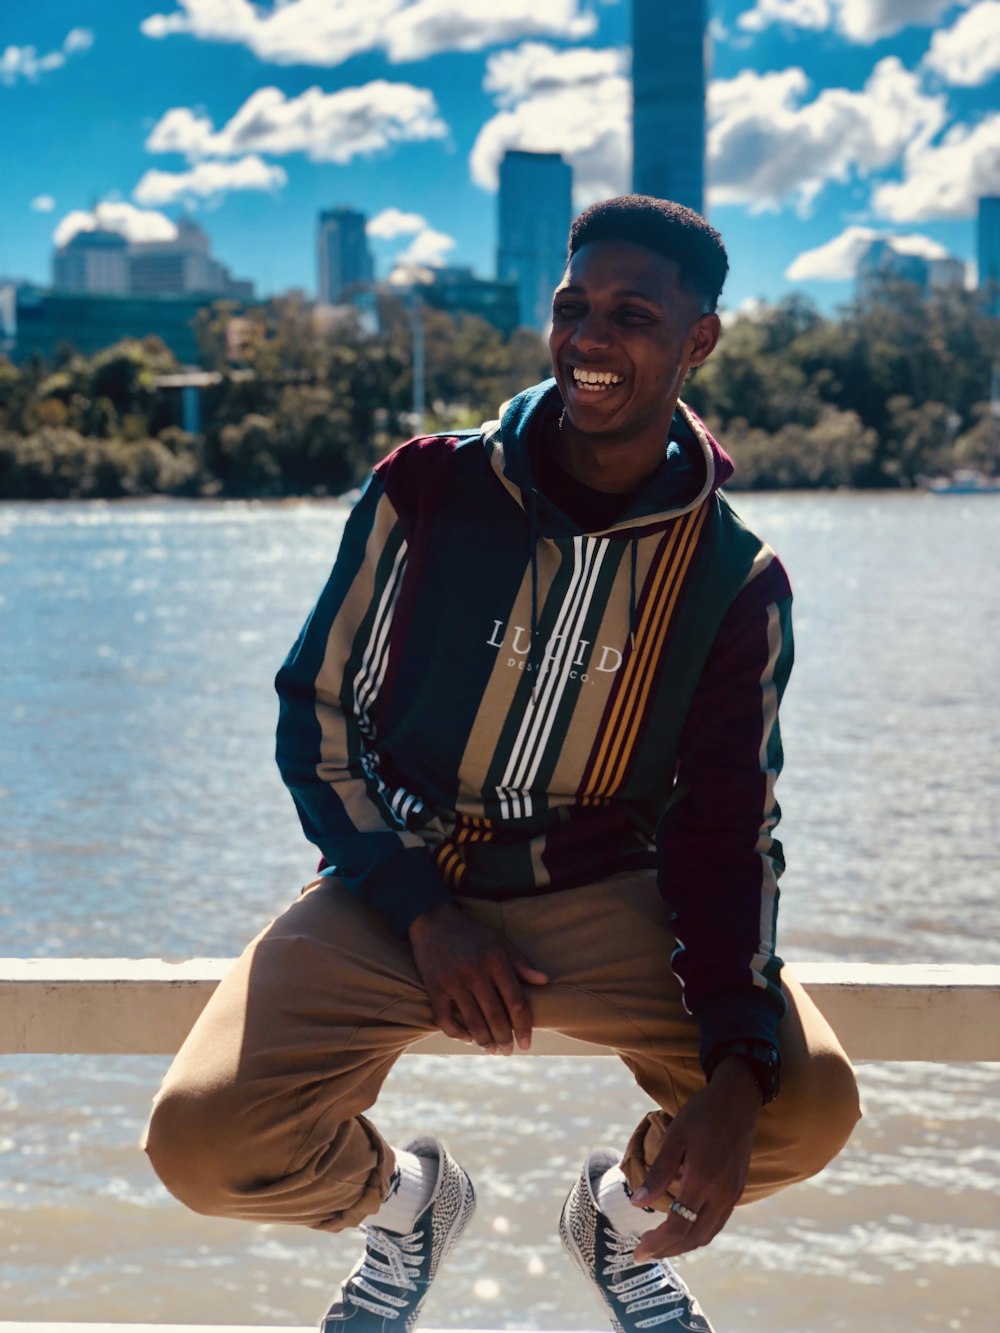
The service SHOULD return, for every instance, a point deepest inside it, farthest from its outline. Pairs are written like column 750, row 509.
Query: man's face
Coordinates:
column 624, row 334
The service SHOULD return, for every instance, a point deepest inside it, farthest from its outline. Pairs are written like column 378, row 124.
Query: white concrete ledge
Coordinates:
column 105, row 1327
column 143, row 1006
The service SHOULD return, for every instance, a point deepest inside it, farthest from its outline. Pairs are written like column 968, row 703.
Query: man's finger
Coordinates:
column 472, row 1018
column 660, row 1175
column 518, row 1005
column 525, row 970
column 679, row 1234
column 494, row 1011
column 446, row 1020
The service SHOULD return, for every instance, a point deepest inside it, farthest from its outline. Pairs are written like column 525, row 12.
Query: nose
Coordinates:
column 592, row 332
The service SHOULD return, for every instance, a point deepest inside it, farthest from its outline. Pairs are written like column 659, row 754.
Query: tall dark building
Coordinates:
column 988, row 251
column 536, row 208
column 345, row 261
column 668, row 80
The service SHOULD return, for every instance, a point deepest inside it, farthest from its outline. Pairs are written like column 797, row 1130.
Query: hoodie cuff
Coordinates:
column 739, row 1013
column 403, row 887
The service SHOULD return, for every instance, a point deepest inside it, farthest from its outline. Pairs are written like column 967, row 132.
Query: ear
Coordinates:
column 703, row 338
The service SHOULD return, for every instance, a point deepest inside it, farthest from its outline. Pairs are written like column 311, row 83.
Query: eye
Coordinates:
column 632, row 315
column 567, row 309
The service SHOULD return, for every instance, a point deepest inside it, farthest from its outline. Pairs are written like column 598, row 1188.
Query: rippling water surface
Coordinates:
column 141, row 814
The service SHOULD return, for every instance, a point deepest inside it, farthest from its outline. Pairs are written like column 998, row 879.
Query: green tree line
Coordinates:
column 882, row 394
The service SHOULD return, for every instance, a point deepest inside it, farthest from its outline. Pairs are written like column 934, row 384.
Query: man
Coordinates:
column 532, row 725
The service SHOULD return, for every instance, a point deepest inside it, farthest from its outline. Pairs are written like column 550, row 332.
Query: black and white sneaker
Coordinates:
column 638, row 1296
column 387, row 1285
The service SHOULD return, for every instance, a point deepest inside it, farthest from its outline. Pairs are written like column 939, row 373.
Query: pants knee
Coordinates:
column 186, row 1143
column 833, row 1111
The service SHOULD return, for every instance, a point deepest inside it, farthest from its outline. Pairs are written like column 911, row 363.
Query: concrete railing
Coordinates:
column 142, row 1006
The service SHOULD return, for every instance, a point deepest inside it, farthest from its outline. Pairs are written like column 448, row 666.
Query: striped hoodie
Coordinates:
column 487, row 701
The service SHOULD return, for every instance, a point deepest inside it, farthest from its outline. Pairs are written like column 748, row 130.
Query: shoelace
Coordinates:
column 652, row 1284
column 398, row 1268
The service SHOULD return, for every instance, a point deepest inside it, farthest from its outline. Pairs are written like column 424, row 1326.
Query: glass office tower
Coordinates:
column 536, row 208
column 988, row 251
column 668, row 77
column 345, row 260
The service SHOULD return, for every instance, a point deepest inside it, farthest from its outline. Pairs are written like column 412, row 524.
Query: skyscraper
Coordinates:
column 345, row 261
column 92, row 262
column 988, row 251
column 668, row 81
column 536, row 208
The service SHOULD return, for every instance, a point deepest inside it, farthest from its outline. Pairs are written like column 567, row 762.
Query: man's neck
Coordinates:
column 617, row 466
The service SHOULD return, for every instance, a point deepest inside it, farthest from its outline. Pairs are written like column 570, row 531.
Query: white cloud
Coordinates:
column 428, row 248
column 863, row 21
column 393, row 222
column 135, row 224
column 813, row 14
column 328, row 32
column 209, row 179
column 837, row 261
column 968, row 53
column 868, row 20
column 78, row 39
column 425, row 27
column 945, row 180
column 43, row 203
column 533, row 68
column 765, row 147
column 327, row 127
column 24, row 62
column 410, row 275
column 575, row 102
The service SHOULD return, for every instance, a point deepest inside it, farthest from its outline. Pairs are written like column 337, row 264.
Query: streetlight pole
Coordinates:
column 419, row 367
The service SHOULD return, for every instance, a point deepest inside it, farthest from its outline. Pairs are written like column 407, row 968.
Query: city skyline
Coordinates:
column 830, row 124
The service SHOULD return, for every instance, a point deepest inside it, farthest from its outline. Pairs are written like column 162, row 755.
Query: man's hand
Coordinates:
column 474, row 979
column 703, row 1162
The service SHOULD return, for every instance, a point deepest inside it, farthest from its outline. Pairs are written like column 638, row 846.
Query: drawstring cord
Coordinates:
column 632, row 599
column 533, row 538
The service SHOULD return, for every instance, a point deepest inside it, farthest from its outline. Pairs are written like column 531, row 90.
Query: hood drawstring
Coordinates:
column 633, row 615
column 533, row 539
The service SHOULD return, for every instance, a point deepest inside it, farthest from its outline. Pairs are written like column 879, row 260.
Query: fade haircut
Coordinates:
column 676, row 232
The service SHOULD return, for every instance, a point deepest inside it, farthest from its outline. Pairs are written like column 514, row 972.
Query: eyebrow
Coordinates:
column 628, row 293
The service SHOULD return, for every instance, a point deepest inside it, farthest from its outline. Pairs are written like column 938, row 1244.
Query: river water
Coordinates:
column 141, row 814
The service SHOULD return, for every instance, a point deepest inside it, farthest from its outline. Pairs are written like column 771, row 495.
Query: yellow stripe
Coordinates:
column 620, row 700
column 650, row 613
column 451, row 866
column 637, row 685
column 655, row 649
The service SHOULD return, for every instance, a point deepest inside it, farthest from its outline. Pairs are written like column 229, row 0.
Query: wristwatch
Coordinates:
column 762, row 1059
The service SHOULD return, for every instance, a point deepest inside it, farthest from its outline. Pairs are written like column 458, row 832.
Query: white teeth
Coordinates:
column 596, row 379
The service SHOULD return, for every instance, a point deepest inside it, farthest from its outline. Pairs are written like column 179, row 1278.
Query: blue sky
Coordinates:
column 830, row 121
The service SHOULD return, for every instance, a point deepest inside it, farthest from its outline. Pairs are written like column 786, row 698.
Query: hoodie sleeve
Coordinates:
column 376, row 835
column 718, row 858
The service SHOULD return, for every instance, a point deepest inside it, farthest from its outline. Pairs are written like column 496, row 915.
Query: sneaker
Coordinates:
column 387, row 1285
column 638, row 1296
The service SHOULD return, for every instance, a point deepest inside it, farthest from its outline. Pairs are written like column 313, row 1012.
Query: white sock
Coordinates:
column 614, row 1200
column 410, row 1189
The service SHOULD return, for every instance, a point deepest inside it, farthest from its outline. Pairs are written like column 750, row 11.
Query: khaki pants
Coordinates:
column 260, row 1115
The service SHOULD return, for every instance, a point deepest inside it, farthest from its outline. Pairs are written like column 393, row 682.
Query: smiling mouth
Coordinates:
column 595, row 381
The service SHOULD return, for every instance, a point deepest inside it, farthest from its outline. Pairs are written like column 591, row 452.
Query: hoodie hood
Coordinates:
column 694, row 465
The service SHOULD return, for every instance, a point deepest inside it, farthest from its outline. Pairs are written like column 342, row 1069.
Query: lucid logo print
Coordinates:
column 567, row 657
column 581, row 653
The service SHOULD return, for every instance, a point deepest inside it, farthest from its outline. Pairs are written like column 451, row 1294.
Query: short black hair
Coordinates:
column 670, row 229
